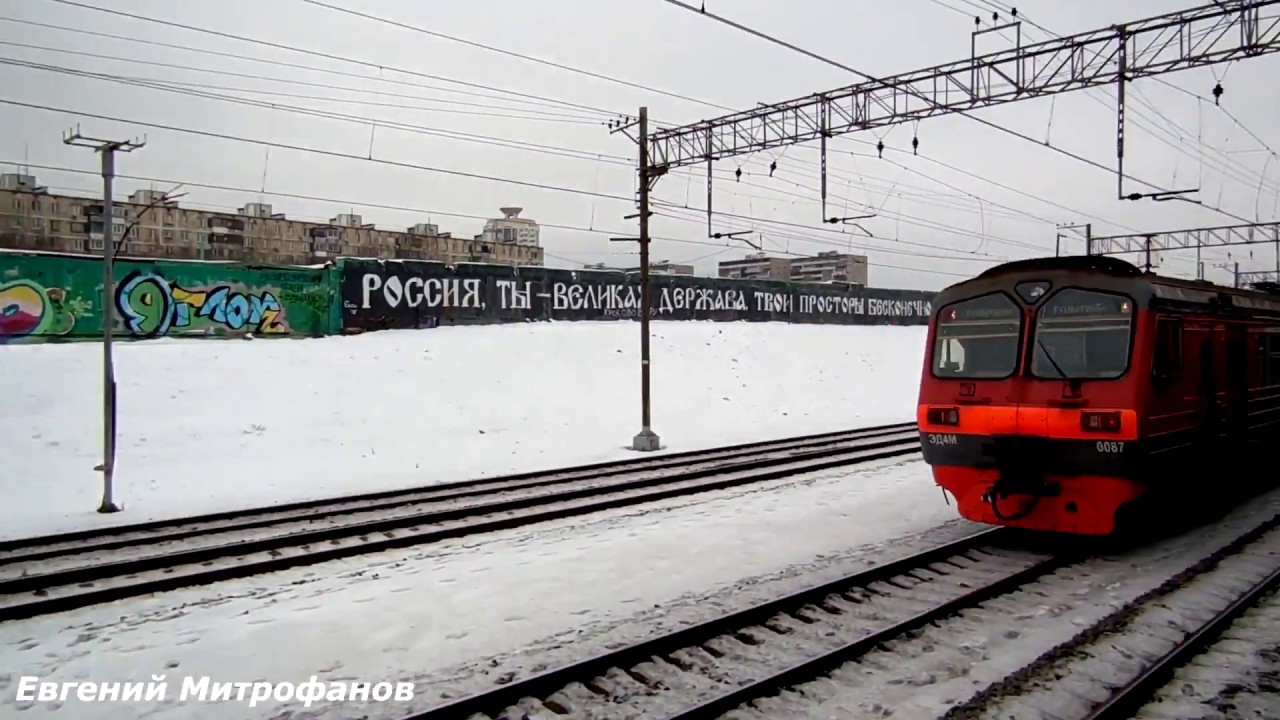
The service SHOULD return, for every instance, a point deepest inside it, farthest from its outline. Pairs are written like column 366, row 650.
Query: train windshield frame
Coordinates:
column 978, row 338
column 1083, row 334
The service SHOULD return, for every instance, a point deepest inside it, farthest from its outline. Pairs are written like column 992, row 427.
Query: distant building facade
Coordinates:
column 756, row 266
column 662, row 267
column 829, row 266
column 147, row 225
column 511, row 228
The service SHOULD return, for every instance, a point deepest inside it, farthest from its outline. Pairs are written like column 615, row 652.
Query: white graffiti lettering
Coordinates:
column 415, row 291
column 840, row 305
column 513, row 297
column 774, row 302
column 572, row 296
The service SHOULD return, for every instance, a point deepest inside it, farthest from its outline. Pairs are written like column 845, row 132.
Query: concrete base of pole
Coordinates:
column 646, row 441
column 109, row 508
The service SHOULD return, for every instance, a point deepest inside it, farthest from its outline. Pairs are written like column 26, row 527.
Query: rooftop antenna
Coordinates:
column 262, row 192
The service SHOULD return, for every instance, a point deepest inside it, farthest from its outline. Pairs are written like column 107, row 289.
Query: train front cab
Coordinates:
column 1027, row 402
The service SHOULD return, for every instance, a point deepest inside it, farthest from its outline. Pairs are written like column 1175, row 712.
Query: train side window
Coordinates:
column 1167, row 360
column 1271, row 359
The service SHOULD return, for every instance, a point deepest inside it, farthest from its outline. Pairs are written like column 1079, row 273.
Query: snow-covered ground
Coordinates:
column 457, row 616
column 208, row 425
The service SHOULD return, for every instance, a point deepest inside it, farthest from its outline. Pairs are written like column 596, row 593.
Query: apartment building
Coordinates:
column 662, row 267
column 829, row 266
column 149, row 225
column 510, row 228
column 756, row 266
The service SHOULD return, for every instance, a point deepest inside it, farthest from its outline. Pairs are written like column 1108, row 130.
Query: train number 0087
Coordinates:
column 1110, row 446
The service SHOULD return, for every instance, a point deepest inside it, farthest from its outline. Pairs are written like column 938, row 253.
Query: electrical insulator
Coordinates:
column 880, row 148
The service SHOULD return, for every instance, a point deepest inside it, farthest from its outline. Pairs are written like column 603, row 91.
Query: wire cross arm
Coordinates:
column 1167, row 43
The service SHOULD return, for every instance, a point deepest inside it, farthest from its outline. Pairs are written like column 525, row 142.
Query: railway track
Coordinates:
column 62, row 572
column 739, row 666
column 685, row 673
column 1119, row 663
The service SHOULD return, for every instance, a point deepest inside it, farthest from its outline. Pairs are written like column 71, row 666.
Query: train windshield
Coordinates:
column 978, row 338
column 1082, row 335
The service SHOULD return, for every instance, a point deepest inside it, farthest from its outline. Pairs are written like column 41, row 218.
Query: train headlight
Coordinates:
column 944, row 416
column 1100, row 421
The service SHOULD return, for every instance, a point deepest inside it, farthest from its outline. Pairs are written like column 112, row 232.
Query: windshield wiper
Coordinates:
column 1053, row 362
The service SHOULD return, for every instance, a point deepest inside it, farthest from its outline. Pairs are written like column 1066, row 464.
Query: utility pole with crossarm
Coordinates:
column 1116, row 55
column 107, row 149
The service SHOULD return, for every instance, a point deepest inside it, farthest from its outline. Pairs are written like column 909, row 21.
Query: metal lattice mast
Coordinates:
column 1167, row 43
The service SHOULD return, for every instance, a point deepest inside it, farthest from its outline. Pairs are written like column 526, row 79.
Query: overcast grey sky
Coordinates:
column 934, row 224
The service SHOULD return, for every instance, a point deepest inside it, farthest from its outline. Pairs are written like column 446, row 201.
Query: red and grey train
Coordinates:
column 1058, row 393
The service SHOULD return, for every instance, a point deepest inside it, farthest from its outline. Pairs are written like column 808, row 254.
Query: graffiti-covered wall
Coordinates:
column 47, row 297
column 379, row 295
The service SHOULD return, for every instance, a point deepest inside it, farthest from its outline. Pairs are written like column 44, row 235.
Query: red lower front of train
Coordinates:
column 1034, row 467
column 1080, row 504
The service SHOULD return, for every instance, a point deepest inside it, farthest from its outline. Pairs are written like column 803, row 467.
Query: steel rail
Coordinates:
column 541, row 687
column 1127, row 700
column 320, row 545
column 314, row 509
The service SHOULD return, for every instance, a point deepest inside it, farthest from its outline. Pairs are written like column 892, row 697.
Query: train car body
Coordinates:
column 1057, row 392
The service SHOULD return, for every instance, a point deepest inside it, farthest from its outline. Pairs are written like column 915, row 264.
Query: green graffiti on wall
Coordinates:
column 28, row 308
column 52, row 296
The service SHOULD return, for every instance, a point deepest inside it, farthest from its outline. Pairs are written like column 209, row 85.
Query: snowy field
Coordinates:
column 216, row 425
column 457, row 616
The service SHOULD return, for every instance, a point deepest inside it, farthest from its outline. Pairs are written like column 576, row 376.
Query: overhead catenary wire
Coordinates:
column 322, row 70
column 1156, row 130
column 325, row 55
column 356, row 119
column 510, row 53
column 253, row 40
column 488, row 140
column 871, row 78
column 346, row 202
column 366, row 63
column 181, row 87
column 318, row 151
column 592, row 116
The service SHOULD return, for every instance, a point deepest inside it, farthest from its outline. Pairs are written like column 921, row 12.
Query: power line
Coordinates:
column 165, row 84
column 432, row 212
column 969, row 257
column 366, row 63
column 356, row 119
column 833, row 63
column 511, row 53
column 1091, row 93
column 318, row 151
column 531, row 114
column 317, row 53
column 539, row 103
column 487, row 140
column 710, row 104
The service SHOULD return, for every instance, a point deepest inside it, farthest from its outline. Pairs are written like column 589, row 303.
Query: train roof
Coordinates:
column 1106, row 272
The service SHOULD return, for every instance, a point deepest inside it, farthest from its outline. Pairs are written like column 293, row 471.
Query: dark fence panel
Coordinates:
column 384, row 294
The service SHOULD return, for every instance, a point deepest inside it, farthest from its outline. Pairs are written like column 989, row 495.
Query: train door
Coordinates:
column 1210, row 405
column 1237, row 384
